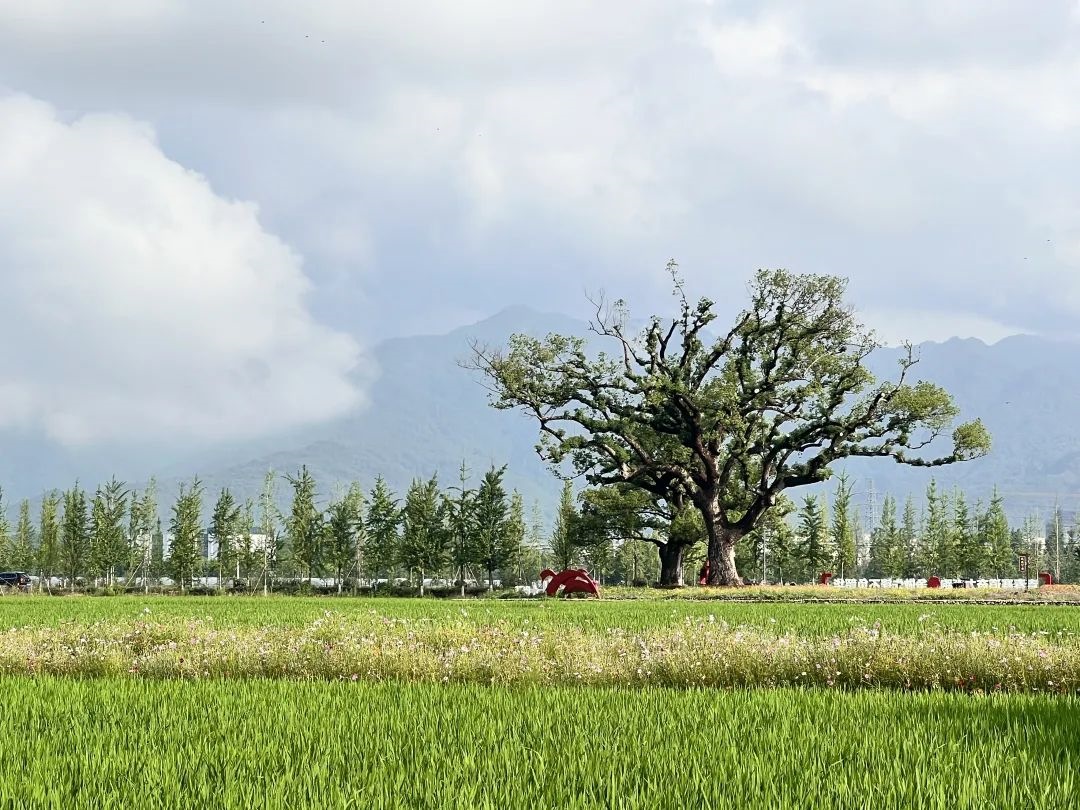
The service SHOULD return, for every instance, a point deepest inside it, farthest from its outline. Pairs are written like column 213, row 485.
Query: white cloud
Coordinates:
column 526, row 150
column 138, row 303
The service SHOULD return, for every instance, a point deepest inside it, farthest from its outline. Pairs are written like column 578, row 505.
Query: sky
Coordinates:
column 210, row 211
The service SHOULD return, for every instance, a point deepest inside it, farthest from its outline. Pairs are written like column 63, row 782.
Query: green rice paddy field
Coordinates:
column 223, row 702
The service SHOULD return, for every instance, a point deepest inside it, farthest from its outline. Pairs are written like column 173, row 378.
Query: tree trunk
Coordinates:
column 722, row 570
column 671, row 570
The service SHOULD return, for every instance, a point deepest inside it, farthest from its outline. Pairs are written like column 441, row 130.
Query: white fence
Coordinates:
column 946, row 584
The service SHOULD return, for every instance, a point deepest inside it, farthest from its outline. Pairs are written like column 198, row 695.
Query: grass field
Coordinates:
column 285, row 702
column 126, row 743
column 634, row 615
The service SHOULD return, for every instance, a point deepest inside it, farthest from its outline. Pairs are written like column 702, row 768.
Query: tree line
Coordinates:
column 115, row 537
column 462, row 534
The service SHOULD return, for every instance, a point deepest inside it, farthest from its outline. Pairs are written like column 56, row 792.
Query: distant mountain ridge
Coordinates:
column 426, row 413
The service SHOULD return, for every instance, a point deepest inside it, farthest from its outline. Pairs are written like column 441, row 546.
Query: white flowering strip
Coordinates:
column 698, row 653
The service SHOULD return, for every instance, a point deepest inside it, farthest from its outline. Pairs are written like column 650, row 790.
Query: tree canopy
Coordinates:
column 728, row 422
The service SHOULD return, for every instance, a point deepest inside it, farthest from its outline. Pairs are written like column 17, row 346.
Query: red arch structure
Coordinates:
column 1046, row 578
column 571, row 580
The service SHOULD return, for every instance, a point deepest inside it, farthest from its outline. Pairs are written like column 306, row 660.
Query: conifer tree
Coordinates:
column 514, row 550
column 1055, row 542
column 22, row 549
column 344, row 533
column 269, row 519
column 48, row 553
column 968, row 560
column 75, row 535
column 461, row 520
column 936, row 549
column 1002, row 561
column 382, row 529
column 564, row 549
column 492, row 523
column 108, row 537
column 813, row 544
column 425, row 538
column 843, row 534
column 909, row 535
column 894, row 549
column 5, row 533
column 186, row 528
column 224, row 526
column 304, row 524
column 143, row 531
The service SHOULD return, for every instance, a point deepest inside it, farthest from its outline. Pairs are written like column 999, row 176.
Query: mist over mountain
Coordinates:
column 426, row 414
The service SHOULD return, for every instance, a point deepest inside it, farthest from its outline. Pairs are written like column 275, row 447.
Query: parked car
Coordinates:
column 15, row 579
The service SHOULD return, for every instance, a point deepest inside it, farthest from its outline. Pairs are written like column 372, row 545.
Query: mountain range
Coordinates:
column 426, row 414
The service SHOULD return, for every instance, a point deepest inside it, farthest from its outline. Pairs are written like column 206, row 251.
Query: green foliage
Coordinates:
column 339, row 745
column 425, row 538
column 144, row 532
column 494, row 543
column 5, row 532
column 564, row 548
column 970, row 554
column 382, row 528
column 75, row 535
column 225, row 528
column 461, row 521
column 23, row 546
column 726, row 424
column 814, row 551
column 1002, row 560
column 304, row 525
column 344, row 533
column 186, row 529
column 888, row 546
column 109, row 547
column 843, row 528
column 48, row 553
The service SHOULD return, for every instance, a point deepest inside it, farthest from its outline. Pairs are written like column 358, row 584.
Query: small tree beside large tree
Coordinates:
column 733, row 421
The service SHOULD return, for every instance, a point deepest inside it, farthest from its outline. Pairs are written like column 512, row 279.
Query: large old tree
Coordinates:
column 728, row 422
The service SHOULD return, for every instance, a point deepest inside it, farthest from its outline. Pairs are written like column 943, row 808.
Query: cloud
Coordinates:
column 139, row 304
column 431, row 158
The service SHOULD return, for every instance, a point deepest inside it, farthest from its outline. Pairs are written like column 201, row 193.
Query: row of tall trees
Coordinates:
column 116, row 535
column 480, row 533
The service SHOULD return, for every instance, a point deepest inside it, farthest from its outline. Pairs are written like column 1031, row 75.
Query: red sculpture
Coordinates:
column 1046, row 578
column 825, row 577
column 933, row 582
column 572, row 580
